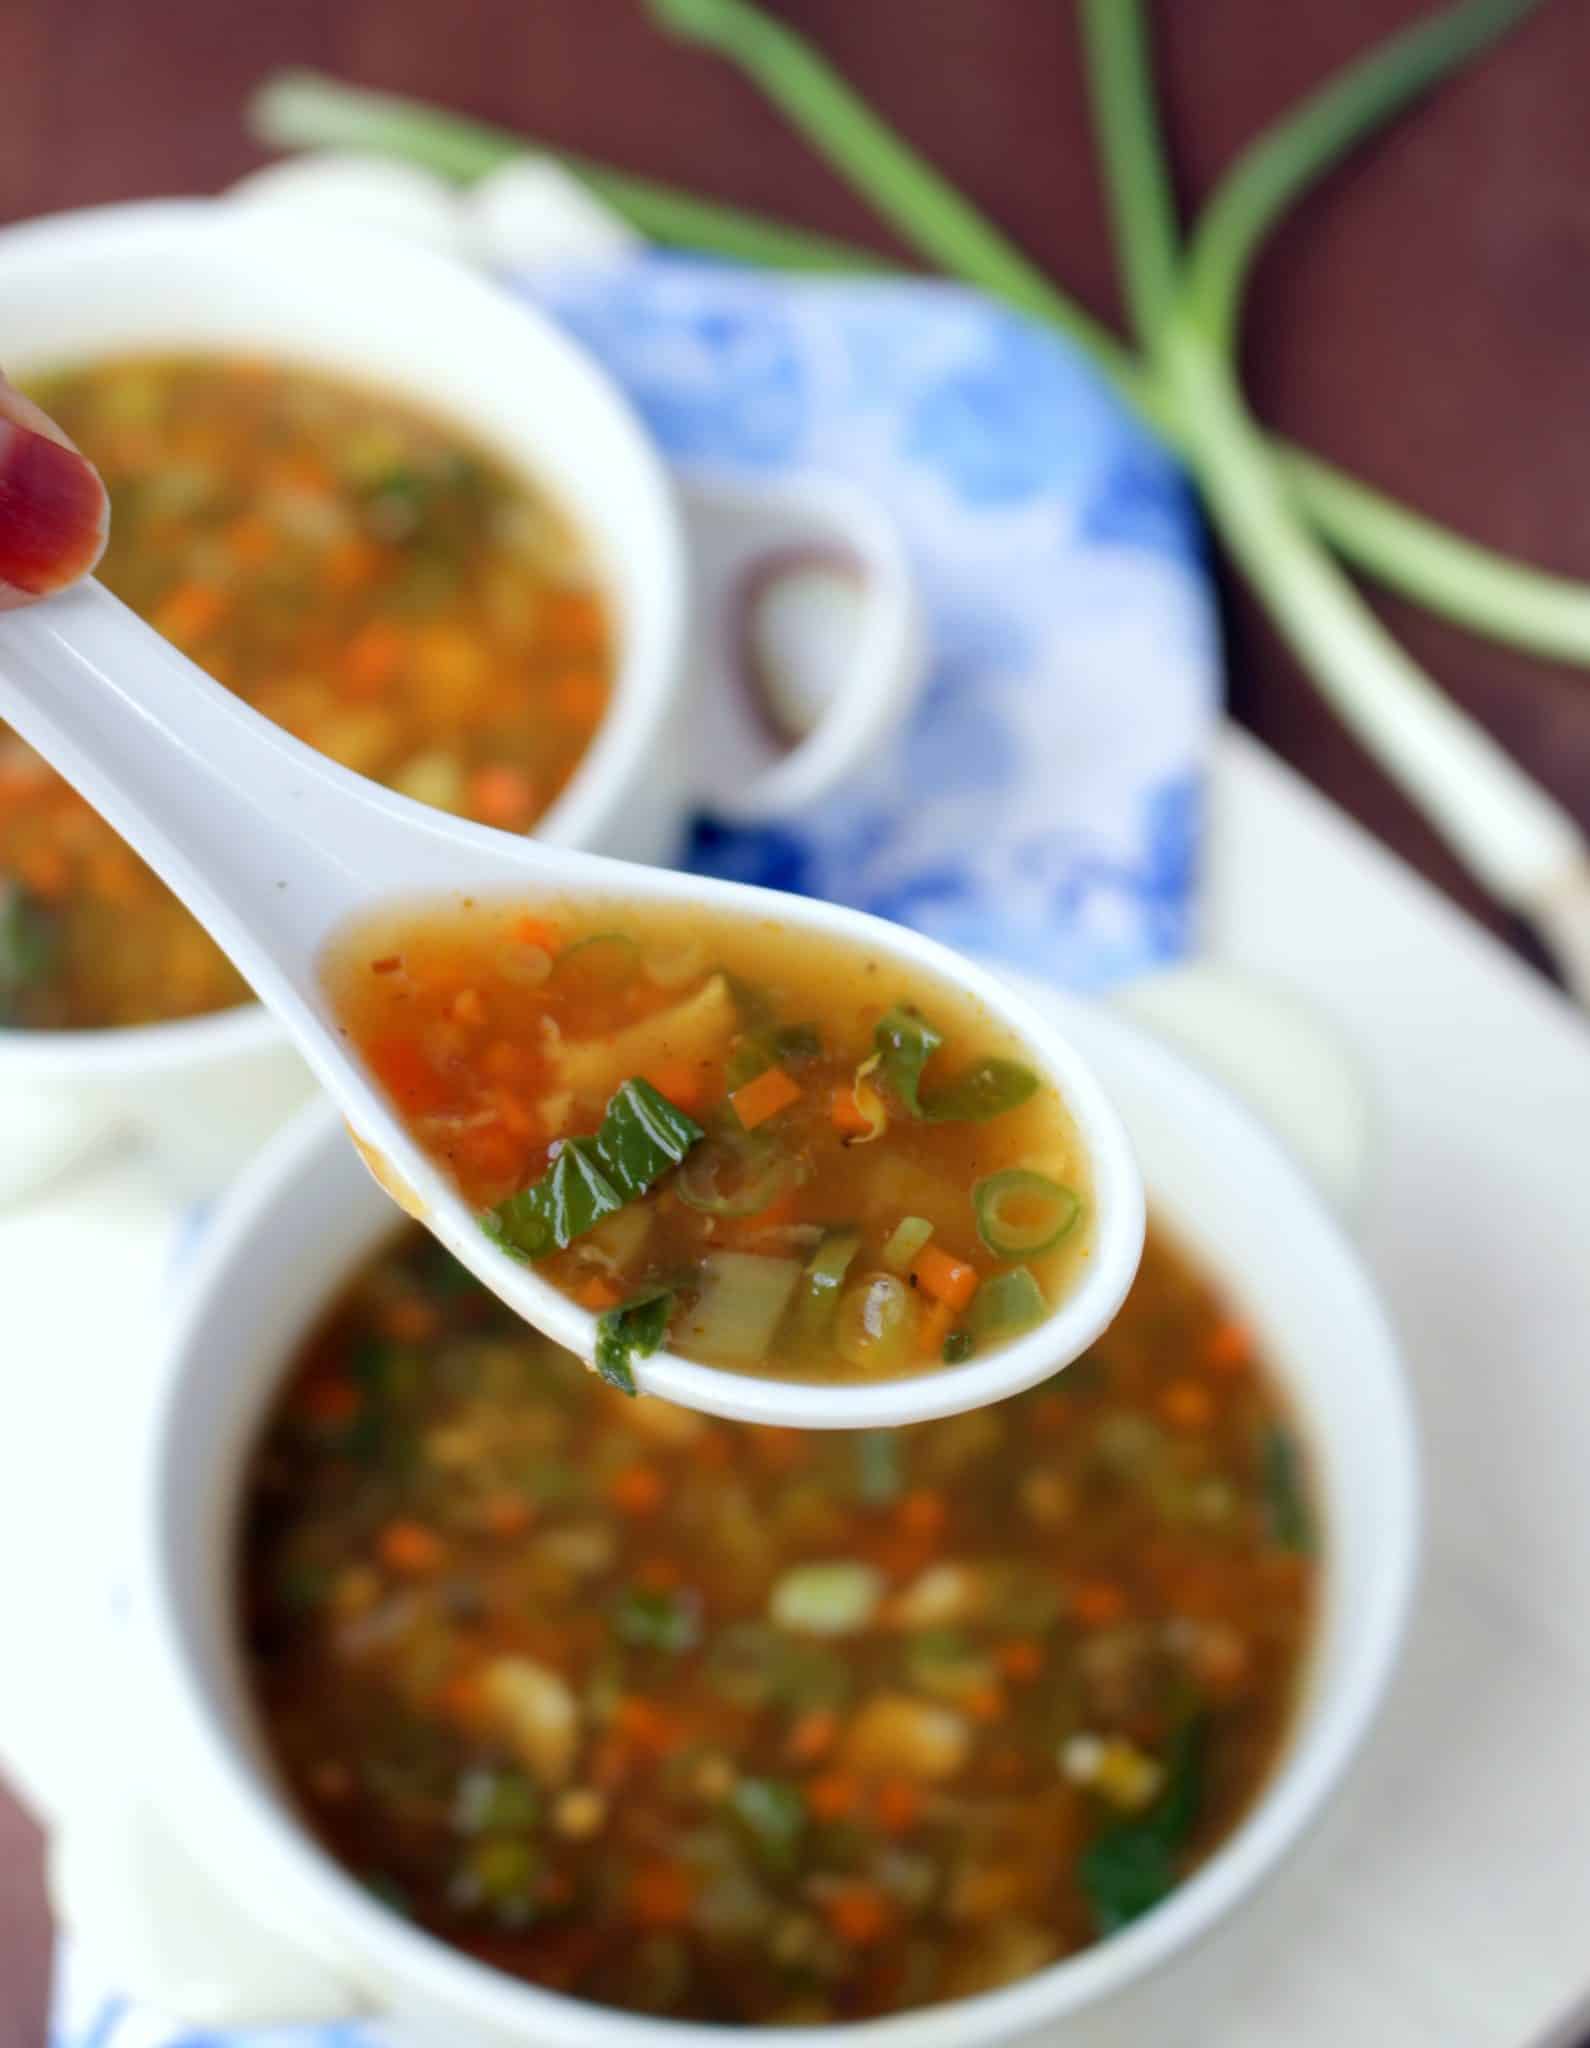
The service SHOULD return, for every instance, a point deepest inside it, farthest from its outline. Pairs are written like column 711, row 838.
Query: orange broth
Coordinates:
column 840, row 1170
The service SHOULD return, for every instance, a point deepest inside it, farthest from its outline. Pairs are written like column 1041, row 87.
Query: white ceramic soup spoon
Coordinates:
column 276, row 850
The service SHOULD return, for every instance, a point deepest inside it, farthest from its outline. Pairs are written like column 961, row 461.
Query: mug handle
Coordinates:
column 808, row 644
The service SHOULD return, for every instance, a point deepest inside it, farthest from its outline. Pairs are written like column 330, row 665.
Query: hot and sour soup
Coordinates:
column 362, row 573
column 743, row 1725
column 771, row 1150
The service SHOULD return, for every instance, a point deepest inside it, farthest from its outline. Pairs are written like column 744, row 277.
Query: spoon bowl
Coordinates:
column 278, row 851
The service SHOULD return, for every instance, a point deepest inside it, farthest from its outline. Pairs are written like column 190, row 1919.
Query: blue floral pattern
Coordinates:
column 1041, row 805
column 1044, row 804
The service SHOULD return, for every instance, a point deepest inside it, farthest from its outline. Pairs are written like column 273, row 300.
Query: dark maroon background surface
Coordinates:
column 1425, row 318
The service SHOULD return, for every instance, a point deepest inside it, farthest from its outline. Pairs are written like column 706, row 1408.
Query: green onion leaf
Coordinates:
column 1021, row 1213
column 906, row 1041
column 982, row 1091
column 958, row 1347
column 649, row 1620
column 1285, row 1491
column 774, row 1816
column 1005, row 1306
column 1134, row 1864
column 28, row 944
column 642, row 1135
column 632, row 1330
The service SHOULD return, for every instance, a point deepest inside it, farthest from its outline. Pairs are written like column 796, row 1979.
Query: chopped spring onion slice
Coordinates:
column 1005, row 1306
column 905, row 1241
column 1021, row 1213
column 632, row 1330
column 642, row 1135
column 821, row 1284
column 650, row 1619
column 742, row 1301
column 958, row 1347
column 906, row 1041
column 837, row 1599
column 735, row 1174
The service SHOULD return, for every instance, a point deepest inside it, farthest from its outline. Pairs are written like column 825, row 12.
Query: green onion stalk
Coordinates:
column 1268, row 498
column 1474, row 586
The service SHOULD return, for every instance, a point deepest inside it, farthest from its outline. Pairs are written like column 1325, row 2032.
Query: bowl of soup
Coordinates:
column 482, row 1694
column 397, row 513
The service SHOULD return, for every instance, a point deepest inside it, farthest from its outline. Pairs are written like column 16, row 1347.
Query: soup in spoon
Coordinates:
column 762, row 1149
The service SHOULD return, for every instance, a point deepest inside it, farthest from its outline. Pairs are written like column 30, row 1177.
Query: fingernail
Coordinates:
column 53, row 512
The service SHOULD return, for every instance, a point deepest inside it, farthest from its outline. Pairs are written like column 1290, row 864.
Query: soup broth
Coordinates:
column 737, row 1724
column 777, row 1151
column 361, row 573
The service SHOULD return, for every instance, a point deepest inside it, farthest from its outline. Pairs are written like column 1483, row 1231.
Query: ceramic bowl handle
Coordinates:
column 808, row 648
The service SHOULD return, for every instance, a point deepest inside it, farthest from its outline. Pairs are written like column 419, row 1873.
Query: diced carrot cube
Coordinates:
column 764, row 1097
column 190, row 611
column 898, row 1805
column 599, row 1294
column 858, row 1913
column 372, row 658
column 661, row 1895
column 947, row 1279
column 410, row 1548
column 637, row 1490
column 502, row 795
column 834, row 1795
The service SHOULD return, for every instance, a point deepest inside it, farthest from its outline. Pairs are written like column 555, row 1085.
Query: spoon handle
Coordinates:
column 270, row 844
column 219, row 801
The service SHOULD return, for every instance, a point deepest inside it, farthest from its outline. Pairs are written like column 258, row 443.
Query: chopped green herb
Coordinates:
column 648, row 1620
column 774, row 1815
column 1134, row 1864
column 907, row 1041
column 632, row 1330
column 489, row 1801
column 642, row 1135
column 958, row 1347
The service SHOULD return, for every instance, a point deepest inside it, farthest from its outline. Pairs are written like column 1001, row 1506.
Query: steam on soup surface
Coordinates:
column 774, row 1151
column 361, row 573
column 739, row 1724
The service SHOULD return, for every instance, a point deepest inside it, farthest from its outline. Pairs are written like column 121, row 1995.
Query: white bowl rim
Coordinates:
column 647, row 681
column 1330, row 1731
